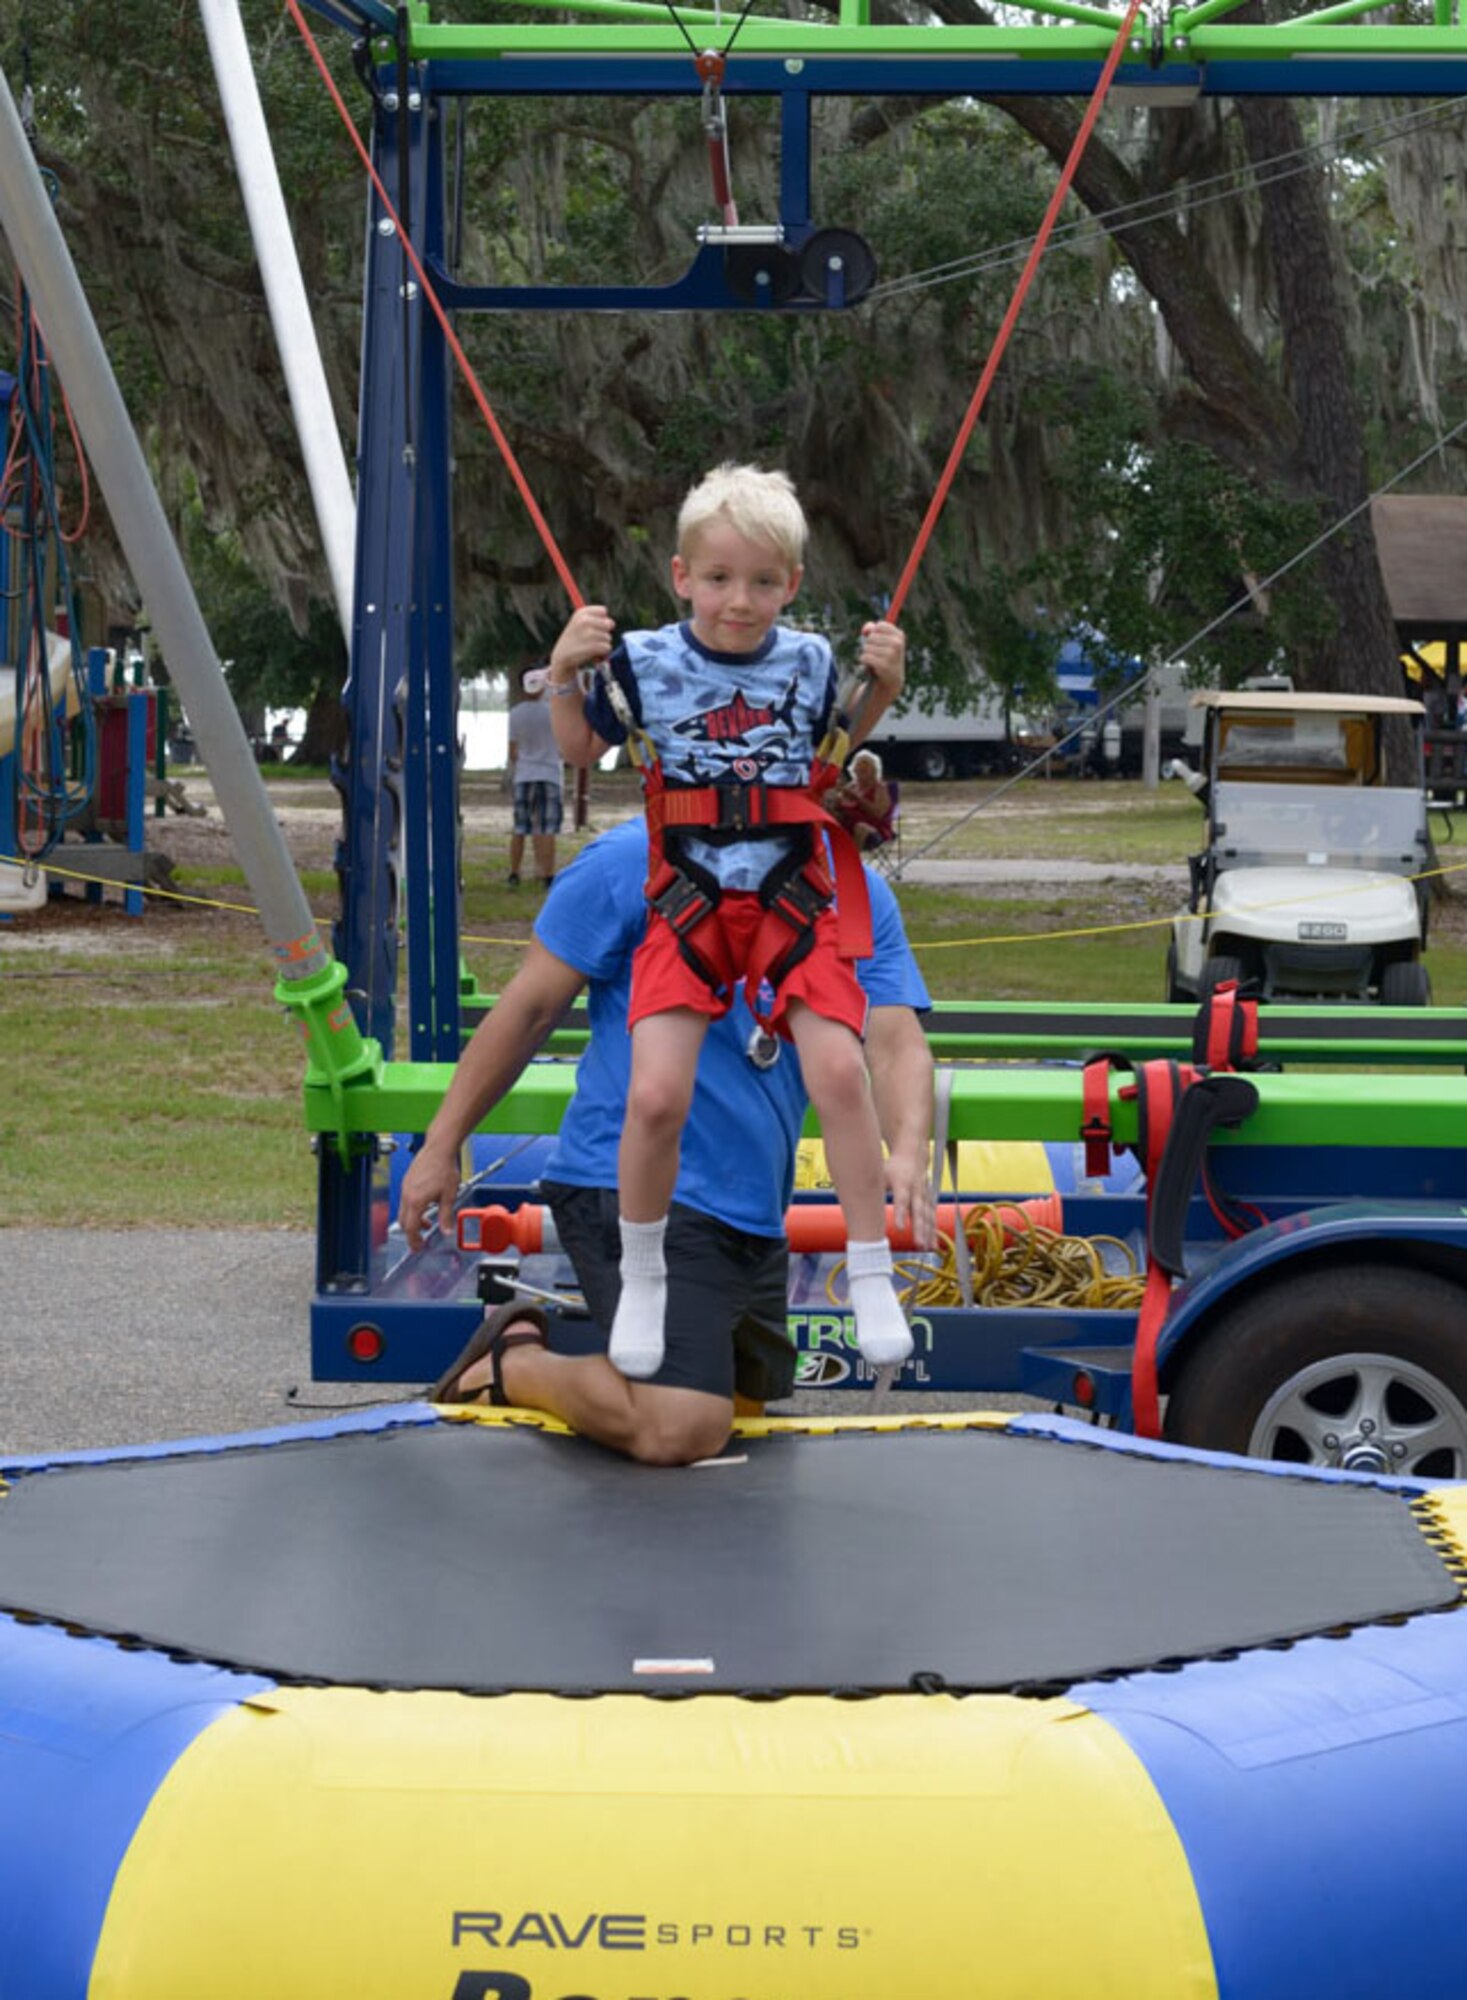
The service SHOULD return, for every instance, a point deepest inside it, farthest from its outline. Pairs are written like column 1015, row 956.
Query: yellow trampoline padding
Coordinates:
column 997, row 1166
column 339, row 1842
column 1443, row 1514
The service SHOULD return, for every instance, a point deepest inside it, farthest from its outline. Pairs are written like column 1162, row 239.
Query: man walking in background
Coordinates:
column 535, row 773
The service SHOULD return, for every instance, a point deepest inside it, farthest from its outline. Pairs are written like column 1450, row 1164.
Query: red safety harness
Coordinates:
column 1178, row 1106
column 796, row 890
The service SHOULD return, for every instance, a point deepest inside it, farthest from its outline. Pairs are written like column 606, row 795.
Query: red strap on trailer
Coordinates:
column 1158, row 1088
column 1096, row 1129
column 1145, row 1394
column 1226, row 1033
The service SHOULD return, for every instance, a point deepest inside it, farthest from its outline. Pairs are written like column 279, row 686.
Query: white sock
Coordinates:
column 882, row 1333
column 637, row 1341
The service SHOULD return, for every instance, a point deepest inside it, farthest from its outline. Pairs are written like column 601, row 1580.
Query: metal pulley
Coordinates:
column 837, row 266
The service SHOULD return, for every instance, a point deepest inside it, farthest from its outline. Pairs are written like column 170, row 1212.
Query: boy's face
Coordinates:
column 735, row 588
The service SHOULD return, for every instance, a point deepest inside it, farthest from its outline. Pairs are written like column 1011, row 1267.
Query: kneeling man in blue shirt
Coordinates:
column 728, row 1341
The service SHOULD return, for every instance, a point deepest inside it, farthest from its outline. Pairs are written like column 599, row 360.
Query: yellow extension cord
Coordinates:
column 1026, row 1265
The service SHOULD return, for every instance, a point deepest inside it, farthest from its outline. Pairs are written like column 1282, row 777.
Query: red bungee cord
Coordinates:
column 506, row 452
column 1010, row 318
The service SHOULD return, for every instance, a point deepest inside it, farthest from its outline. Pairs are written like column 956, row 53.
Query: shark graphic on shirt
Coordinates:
column 733, row 722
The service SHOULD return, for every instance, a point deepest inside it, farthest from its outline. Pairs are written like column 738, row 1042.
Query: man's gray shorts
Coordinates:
column 727, row 1293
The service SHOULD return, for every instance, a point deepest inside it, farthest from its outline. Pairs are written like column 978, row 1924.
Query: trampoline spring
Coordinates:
column 928, row 1683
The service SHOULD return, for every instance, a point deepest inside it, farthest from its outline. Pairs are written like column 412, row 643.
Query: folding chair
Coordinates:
column 887, row 858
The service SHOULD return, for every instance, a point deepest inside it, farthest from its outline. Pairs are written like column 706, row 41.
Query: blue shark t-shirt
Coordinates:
column 738, row 1155
column 721, row 719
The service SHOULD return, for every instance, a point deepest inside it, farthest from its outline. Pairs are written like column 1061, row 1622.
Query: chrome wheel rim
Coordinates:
column 1365, row 1413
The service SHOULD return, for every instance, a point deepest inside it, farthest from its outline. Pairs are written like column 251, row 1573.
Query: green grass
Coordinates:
column 150, row 1078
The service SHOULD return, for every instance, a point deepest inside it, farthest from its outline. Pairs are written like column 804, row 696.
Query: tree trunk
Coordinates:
column 1360, row 654
column 324, row 735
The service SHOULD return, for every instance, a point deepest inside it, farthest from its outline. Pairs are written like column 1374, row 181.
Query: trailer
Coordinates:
column 979, row 737
column 1331, row 1332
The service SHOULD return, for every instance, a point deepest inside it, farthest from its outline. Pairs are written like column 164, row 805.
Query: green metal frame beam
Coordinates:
column 1068, row 1031
column 1194, row 34
column 1396, row 1110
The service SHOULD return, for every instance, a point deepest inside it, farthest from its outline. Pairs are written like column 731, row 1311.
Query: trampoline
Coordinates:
column 458, row 1704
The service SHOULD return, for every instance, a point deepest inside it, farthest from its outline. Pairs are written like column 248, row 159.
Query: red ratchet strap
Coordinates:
column 1154, row 1108
column 1172, row 1151
column 1226, row 1032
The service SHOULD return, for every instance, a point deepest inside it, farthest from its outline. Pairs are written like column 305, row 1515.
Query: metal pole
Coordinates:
column 285, row 294
column 147, row 542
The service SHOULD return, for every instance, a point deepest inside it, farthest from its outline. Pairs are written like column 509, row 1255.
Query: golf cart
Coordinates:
column 1309, row 884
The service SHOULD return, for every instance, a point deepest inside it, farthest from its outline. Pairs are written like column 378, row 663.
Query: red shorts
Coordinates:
column 662, row 978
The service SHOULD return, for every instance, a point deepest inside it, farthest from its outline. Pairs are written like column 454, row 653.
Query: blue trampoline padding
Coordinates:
column 382, row 1419
column 1076, row 1430
column 88, row 1733
column 1278, row 1771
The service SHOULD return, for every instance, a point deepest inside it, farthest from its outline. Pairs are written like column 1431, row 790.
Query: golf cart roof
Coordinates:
column 1307, row 704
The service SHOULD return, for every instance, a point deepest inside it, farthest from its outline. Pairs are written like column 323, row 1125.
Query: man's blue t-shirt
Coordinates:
column 738, row 1154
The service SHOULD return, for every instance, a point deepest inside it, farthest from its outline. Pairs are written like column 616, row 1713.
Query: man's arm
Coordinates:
column 504, row 1041
column 900, row 1063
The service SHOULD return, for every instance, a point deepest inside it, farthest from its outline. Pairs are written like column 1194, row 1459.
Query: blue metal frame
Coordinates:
column 399, row 781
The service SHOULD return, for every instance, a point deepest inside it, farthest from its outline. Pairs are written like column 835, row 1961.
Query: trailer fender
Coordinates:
column 1431, row 1235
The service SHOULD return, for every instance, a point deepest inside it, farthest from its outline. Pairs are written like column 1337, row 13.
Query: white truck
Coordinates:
column 972, row 738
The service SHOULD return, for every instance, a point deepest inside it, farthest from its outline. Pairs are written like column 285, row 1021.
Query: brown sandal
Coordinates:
column 494, row 1339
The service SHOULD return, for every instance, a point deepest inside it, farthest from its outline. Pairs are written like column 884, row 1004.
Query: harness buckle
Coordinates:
column 741, row 808
column 799, row 901
column 682, row 904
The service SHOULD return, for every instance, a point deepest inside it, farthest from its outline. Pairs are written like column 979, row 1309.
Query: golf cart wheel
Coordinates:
column 1176, row 993
column 1405, row 983
column 1217, row 971
column 1362, row 1368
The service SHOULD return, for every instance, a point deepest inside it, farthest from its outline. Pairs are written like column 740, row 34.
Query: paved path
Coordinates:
column 971, row 872
column 118, row 1336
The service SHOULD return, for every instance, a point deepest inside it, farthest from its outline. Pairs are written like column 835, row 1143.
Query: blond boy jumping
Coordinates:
column 729, row 707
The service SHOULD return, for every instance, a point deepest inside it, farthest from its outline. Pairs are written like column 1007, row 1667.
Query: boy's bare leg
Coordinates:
column 834, row 1068
column 544, row 846
column 664, row 1064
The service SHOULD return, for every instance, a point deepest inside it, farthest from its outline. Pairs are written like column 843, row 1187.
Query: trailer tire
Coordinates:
column 1360, row 1367
column 932, row 762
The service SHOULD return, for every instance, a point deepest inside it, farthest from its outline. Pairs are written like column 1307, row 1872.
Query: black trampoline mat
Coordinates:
column 459, row 1555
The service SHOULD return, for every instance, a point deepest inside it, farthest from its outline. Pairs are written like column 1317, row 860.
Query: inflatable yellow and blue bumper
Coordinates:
column 459, row 1707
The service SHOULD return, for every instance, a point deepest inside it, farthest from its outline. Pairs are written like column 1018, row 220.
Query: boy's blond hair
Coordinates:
column 760, row 506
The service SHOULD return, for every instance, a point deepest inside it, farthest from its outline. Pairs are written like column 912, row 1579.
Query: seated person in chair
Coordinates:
column 864, row 804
